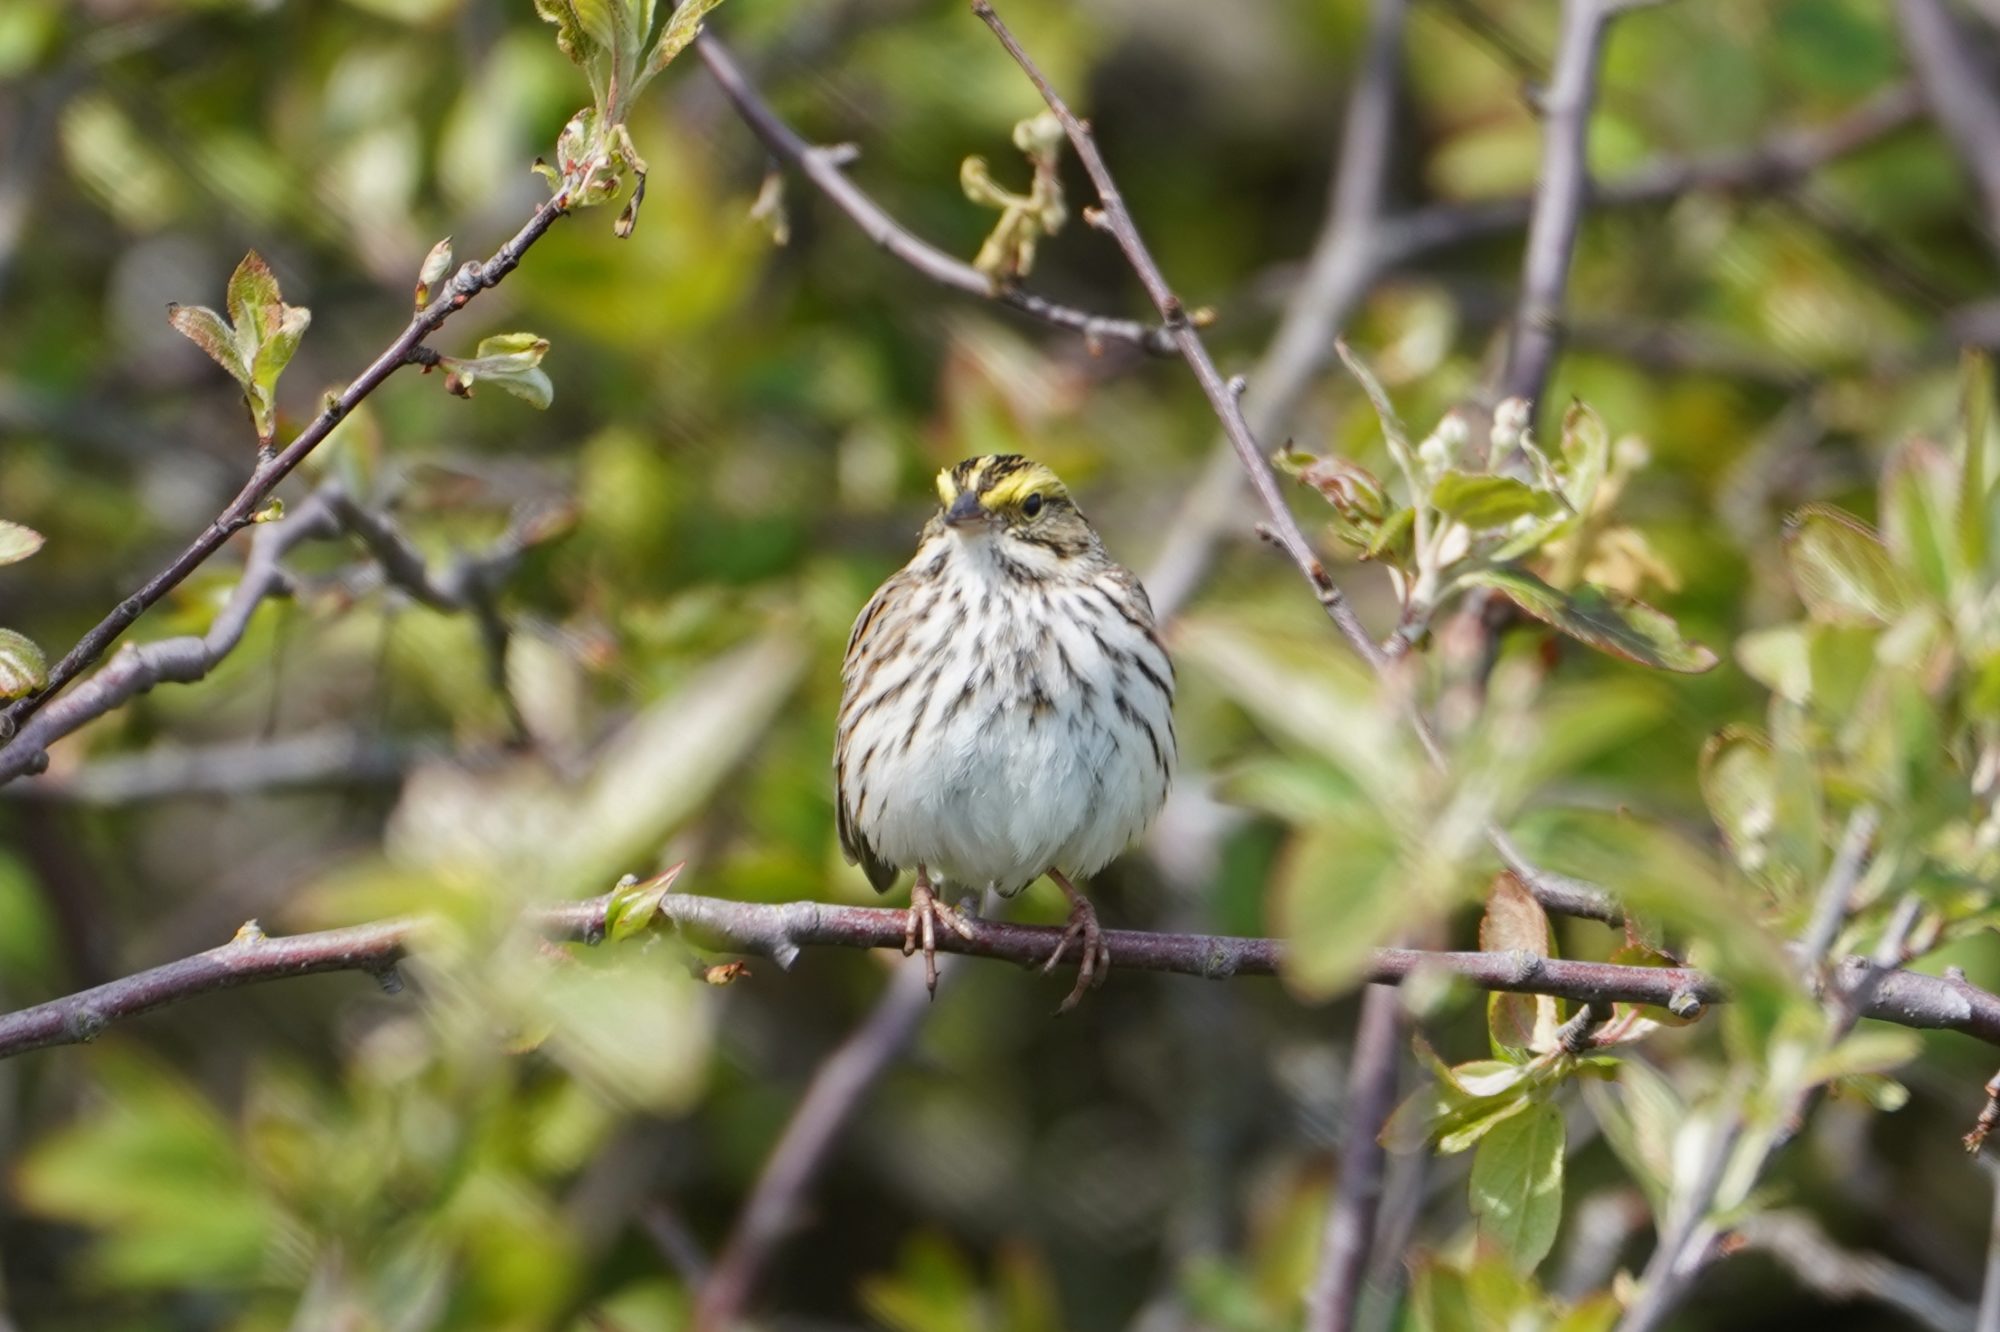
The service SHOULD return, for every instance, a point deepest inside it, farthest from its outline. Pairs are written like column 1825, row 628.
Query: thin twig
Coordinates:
column 1559, row 198
column 176, row 660
column 1831, row 907
column 1350, row 1223
column 1338, row 272
column 1841, row 1275
column 471, row 279
column 1961, row 96
column 823, row 167
column 1989, row 1289
column 1112, row 215
column 829, row 1102
column 465, row 587
column 331, row 756
column 781, row 931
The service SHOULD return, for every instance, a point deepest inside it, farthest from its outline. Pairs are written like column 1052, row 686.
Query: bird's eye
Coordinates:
column 1032, row 506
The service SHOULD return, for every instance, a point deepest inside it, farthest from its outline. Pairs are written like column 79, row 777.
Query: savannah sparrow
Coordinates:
column 1006, row 708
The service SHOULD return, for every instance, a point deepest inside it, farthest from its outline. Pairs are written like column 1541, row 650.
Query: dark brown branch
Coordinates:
column 1559, row 198
column 781, row 931
column 822, row 167
column 471, row 279
column 1961, row 96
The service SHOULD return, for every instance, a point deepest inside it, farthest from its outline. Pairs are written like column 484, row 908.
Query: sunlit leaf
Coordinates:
column 1605, row 620
column 1517, row 1185
column 23, row 668
column 1483, row 500
column 1920, row 513
column 208, row 331
column 17, row 543
column 683, row 26
column 1841, row 568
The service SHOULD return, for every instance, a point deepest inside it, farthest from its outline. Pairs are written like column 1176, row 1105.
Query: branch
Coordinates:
column 1111, row 215
column 332, row 756
column 466, row 586
column 471, row 279
column 829, row 1102
column 176, row 660
column 1350, row 1223
column 1338, row 272
column 1559, row 198
column 1781, row 161
column 782, row 931
column 1837, row 1274
column 1961, row 95
column 822, row 166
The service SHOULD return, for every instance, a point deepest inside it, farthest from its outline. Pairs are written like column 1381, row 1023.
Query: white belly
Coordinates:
column 1035, row 768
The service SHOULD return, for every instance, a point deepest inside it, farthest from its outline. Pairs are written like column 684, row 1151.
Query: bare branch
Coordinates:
column 781, row 931
column 1837, row 1274
column 1776, row 163
column 333, row 756
column 1115, row 219
column 1338, row 272
column 466, row 586
column 829, row 1102
column 823, row 167
column 175, row 660
column 1350, row 1223
column 1559, row 198
column 241, row 512
column 1961, row 95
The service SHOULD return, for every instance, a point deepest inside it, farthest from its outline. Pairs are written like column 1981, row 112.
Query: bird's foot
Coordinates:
column 921, row 923
column 1095, row 962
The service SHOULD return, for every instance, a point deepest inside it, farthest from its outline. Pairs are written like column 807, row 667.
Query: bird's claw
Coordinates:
column 921, row 922
column 1095, row 963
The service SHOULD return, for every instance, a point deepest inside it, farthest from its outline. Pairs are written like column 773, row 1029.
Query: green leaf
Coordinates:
column 206, row 329
column 436, row 264
column 510, row 361
column 253, row 303
column 1920, row 515
column 1641, row 1114
column 1586, row 455
column 17, row 543
column 681, row 30
column 1393, row 433
column 635, row 906
column 1608, row 621
column 23, row 669
column 1483, row 501
column 1841, row 569
column 1517, row 1185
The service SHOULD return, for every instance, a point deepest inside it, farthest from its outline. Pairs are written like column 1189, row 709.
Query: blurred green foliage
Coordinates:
column 746, row 433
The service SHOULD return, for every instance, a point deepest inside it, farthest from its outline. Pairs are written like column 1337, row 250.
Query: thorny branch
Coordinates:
column 823, row 167
column 471, row 279
column 783, row 931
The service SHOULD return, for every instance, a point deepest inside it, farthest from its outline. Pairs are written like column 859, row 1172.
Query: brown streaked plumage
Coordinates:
column 1007, row 707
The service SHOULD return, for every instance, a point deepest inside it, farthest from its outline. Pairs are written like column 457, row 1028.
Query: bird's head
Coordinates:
column 1012, row 499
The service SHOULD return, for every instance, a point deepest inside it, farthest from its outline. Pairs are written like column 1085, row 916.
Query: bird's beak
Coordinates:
column 965, row 510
